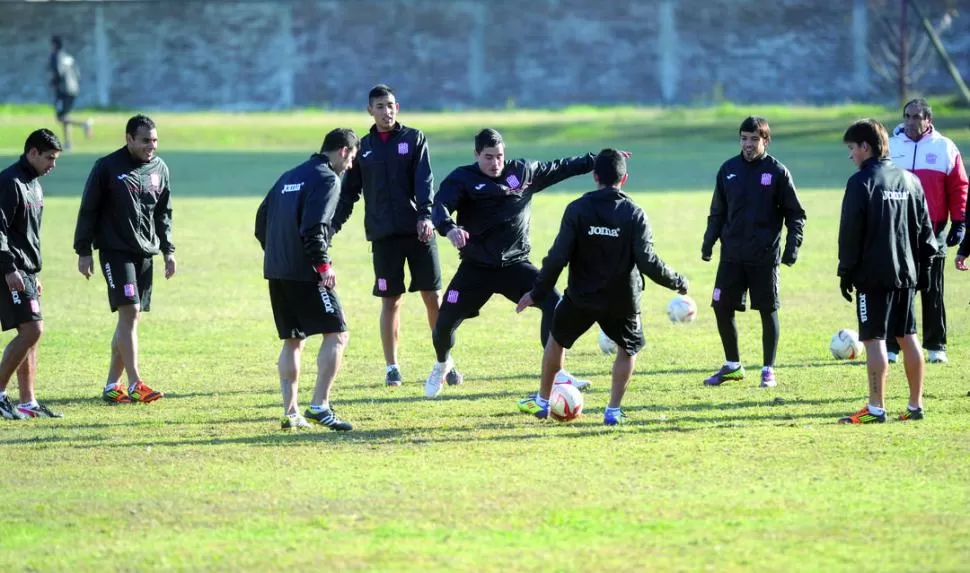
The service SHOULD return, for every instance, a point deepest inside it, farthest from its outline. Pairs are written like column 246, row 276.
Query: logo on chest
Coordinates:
column 931, row 158
column 402, row 148
column 766, row 179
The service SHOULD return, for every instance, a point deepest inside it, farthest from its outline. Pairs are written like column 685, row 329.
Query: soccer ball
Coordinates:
column 607, row 346
column 682, row 309
column 845, row 345
column 565, row 402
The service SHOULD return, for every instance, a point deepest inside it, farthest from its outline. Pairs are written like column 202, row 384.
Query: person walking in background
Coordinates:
column 66, row 83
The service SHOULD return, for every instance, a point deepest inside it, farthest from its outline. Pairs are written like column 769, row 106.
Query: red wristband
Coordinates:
column 322, row 267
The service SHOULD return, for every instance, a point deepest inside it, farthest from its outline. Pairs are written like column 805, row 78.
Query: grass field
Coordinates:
column 725, row 479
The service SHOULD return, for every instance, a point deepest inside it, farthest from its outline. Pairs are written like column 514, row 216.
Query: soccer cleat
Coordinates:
column 528, row 405
column 144, row 394
column 863, row 416
column 563, row 377
column 432, row 386
column 937, row 357
column 724, row 374
column 908, row 414
column 329, row 419
column 393, row 377
column 892, row 357
column 454, row 377
column 294, row 423
column 768, row 378
column 38, row 411
column 8, row 412
column 617, row 419
column 116, row 394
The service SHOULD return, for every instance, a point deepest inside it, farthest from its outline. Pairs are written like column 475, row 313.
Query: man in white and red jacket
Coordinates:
column 918, row 147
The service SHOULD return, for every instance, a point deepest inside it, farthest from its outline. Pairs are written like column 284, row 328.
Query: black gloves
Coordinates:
column 845, row 284
column 955, row 236
column 683, row 285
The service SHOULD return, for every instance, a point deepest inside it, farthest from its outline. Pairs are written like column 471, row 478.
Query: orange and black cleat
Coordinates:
column 116, row 394
column 863, row 416
column 144, row 394
column 908, row 414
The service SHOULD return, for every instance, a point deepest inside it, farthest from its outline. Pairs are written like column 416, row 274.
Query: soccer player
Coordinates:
column 293, row 228
column 66, row 83
column 21, row 208
column 886, row 243
column 753, row 196
column 393, row 172
column 918, row 147
column 492, row 198
column 606, row 240
column 126, row 214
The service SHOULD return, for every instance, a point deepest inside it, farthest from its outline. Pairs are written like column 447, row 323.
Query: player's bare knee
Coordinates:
column 31, row 331
column 341, row 338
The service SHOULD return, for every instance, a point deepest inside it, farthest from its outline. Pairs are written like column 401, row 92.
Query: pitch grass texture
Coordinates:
column 729, row 479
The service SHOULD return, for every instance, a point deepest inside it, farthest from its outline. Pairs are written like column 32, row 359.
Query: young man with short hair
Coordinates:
column 606, row 240
column 21, row 210
column 492, row 198
column 66, row 83
column 393, row 172
column 886, row 243
column 126, row 213
column 293, row 228
column 754, row 195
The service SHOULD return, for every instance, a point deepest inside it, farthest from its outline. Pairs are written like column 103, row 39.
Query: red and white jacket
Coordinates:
column 936, row 161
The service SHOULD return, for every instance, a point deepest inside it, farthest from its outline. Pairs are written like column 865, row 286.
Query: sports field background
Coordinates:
column 725, row 479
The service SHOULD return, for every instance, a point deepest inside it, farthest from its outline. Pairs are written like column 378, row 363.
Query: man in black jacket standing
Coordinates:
column 293, row 228
column 492, row 198
column 21, row 210
column 606, row 241
column 886, row 247
column 126, row 213
column 393, row 172
column 753, row 196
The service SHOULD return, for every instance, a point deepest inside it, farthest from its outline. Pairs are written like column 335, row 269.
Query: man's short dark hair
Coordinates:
column 923, row 105
column 379, row 91
column 57, row 41
column 610, row 167
column 139, row 121
column 756, row 124
column 338, row 139
column 43, row 140
column 487, row 138
column 869, row 131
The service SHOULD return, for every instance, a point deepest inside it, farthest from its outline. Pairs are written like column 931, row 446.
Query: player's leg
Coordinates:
column 288, row 367
column 15, row 312
column 325, row 316
column 388, row 257
column 873, row 313
column 390, row 335
column 729, row 296
column 425, row 271
column 904, row 328
column 628, row 334
column 62, row 109
column 934, row 314
column 286, row 305
column 764, row 281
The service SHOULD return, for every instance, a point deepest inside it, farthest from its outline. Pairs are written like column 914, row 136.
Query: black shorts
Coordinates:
column 734, row 280
column 302, row 309
column 389, row 256
column 886, row 313
column 20, row 307
column 63, row 104
column 474, row 284
column 129, row 279
column 570, row 322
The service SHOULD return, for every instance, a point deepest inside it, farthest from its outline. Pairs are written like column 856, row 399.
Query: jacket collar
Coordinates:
column 900, row 131
column 27, row 168
column 394, row 130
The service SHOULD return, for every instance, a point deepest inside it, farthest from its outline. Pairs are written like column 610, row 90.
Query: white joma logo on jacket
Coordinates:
column 604, row 231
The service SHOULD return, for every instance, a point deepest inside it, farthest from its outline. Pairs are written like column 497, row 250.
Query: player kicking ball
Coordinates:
column 606, row 240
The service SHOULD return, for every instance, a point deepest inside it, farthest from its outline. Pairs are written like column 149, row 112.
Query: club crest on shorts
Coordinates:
column 452, row 296
column 766, row 178
column 129, row 290
column 382, row 285
column 716, row 295
column 402, row 148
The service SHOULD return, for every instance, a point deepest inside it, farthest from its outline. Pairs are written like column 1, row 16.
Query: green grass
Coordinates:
column 728, row 479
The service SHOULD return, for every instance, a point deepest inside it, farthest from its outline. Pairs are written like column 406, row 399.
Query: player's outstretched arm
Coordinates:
column 445, row 203
column 548, row 173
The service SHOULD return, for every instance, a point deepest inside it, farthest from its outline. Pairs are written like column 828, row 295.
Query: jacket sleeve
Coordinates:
column 716, row 217
column 792, row 211
column 315, row 221
column 9, row 201
column 548, row 173
column 956, row 185
column 646, row 258
column 558, row 257
column 89, row 212
column 928, row 246
column 423, row 179
column 163, row 218
column 445, row 203
column 261, row 221
column 852, row 228
column 350, row 192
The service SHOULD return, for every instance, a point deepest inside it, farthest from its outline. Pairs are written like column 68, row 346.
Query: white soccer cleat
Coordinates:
column 432, row 386
column 563, row 377
column 937, row 357
column 892, row 357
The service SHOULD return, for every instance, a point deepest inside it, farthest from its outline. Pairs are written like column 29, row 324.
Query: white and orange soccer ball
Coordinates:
column 845, row 345
column 565, row 402
column 682, row 309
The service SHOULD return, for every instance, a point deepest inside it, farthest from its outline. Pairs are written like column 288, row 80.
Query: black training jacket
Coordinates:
column 751, row 200
column 885, row 236
column 606, row 240
column 125, row 207
column 396, row 181
column 495, row 212
column 293, row 221
column 21, row 209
